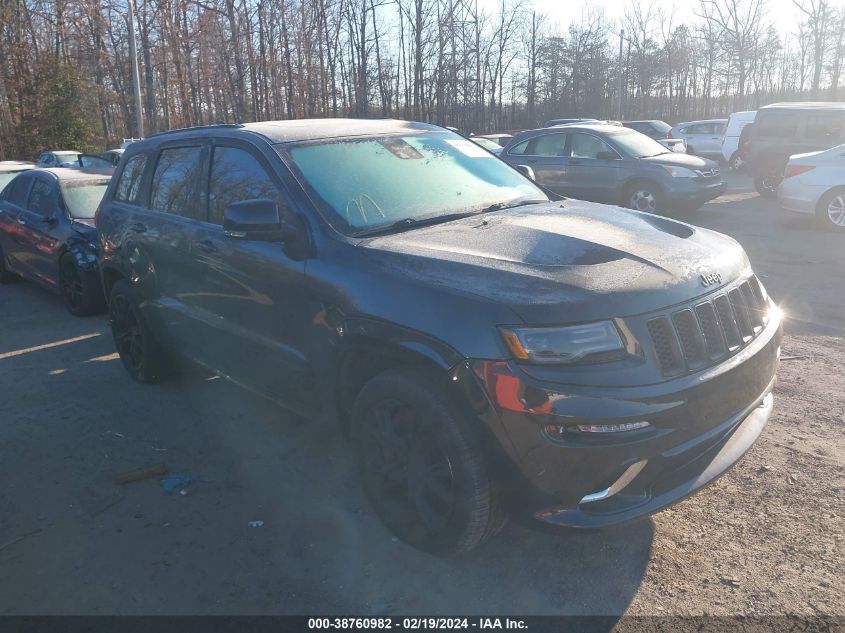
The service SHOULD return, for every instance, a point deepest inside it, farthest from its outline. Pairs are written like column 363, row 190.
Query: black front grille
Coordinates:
column 694, row 337
column 665, row 345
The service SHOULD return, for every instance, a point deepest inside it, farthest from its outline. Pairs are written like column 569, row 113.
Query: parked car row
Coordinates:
column 615, row 165
column 487, row 347
column 781, row 130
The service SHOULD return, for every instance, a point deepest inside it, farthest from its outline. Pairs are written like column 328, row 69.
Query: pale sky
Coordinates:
column 782, row 12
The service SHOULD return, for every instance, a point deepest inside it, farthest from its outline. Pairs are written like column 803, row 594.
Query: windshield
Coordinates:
column 636, row 144
column 369, row 182
column 82, row 197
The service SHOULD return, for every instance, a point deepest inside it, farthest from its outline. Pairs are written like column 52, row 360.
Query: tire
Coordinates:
column 139, row 352
column 766, row 182
column 643, row 196
column 80, row 289
column 6, row 275
column 736, row 163
column 830, row 212
column 423, row 465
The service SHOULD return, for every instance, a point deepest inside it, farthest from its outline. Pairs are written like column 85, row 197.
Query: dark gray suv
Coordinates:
column 615, row 165
column 485, row 348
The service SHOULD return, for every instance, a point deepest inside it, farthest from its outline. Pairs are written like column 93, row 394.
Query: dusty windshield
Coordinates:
column 82, row 198
column 373, row 182
column 636, row 144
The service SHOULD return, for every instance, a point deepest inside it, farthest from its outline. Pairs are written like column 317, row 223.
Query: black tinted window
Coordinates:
column 824, row 126
column 174, row 182
column 18, row 190
column 42, row 198
column 129, row 185
column 237, row 176
column 777, row 124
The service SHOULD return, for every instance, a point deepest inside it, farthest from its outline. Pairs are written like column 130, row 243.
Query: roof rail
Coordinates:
column 197, row 127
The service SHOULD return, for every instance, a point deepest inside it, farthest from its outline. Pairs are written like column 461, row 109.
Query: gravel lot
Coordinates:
column 765, row 539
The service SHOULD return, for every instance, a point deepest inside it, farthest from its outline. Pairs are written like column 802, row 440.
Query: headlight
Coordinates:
column 679, row 172
column 557, row 345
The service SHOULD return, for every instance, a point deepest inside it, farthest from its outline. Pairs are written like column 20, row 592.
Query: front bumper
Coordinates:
column 670, row 477
column 691, row 191
column 700, row 424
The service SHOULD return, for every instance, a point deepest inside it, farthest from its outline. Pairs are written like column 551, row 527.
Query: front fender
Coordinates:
column 409, row 340
column 84, row 254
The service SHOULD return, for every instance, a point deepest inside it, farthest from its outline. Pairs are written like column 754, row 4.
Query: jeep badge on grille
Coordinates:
column 711, row 279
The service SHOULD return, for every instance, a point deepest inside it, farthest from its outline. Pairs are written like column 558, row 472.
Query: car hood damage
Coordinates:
column 565, row 261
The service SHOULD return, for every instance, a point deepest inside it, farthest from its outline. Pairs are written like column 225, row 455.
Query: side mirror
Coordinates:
column 607, row 156
column 526, row 171
column 257, row 220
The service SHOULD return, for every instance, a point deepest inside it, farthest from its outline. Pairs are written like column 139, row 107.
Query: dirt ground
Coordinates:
column 766, row 539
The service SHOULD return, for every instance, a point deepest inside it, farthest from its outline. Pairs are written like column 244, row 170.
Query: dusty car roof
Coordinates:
column 71, row 173
column 310, row 129
column 696, row 122
column 15, row 165
column 561, row 129
column 806, row 105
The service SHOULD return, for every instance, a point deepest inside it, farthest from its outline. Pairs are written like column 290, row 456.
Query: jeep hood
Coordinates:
column 565, row 261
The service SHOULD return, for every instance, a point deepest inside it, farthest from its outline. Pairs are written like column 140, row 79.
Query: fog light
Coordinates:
column 558, row 431
column 611, row 428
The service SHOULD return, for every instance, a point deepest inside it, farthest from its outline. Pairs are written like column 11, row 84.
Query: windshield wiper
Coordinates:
column 408, row 223
column 413, row 223
column 498, row 206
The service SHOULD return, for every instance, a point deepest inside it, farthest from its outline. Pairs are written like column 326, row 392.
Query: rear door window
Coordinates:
column 175, row 183
column 129, row 184
column 777, row 124
column 236, row 176
column 824, row 126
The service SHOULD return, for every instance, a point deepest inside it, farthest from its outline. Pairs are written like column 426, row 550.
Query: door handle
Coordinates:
column 21, row 221
column 138, row 227
column 206, row 246
column 531, row 161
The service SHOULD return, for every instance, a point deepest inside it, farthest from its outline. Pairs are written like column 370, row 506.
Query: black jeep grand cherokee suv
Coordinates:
column 485, row 348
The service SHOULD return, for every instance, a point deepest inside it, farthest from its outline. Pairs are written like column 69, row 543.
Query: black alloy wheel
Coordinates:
column 70, row 284
column 140, row 353
column 423, row 463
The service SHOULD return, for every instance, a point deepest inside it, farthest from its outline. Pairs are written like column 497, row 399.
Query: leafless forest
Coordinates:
column 65, row 71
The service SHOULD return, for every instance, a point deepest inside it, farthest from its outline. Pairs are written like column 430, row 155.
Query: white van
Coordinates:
column 730, row 141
